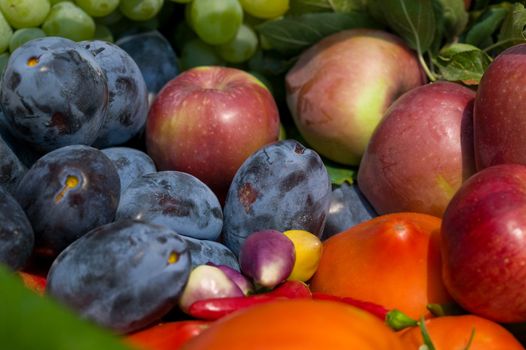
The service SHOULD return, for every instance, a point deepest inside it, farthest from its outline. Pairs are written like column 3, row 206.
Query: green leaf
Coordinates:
column 339, row 173
column 348, row 5
column 455, row 17
column 291, row 35
column 512, row 31
column 485, row 25
column 298, row 7
column 462, row 62
column 270, row 63
column 29, row 321
column 413, row 20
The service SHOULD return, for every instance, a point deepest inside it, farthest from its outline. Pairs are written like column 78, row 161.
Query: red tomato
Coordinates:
column 166, row 336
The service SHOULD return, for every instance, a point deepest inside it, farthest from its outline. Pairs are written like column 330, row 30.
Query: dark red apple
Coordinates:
column 207, row 121
column 421, row 151
column 339, row 89
column 484, row 244
column 500, row 110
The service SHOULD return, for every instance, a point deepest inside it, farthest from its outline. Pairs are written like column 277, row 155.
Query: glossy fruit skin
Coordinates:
column 267, row 257
column 340, row 87
column 132, row 276
column 297, row 324
column 167, row 336
column 61, row 213
column 453, row 332
column 16, row 234
column 204, row 251
column 483, row 247
column 208, row 121
column 421, row 151
column 176, row 200
column 399, row 252
column 499, row 117
column 281, row 186
column 348, row 208
column 128, row 94
column 142, row 47
column 11, row 168
column 130, row 163
column 54, row 94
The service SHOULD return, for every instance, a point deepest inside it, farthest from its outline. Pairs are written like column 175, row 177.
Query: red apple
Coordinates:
column 500, row 110
column 484, row 244
column 421, row 151
column 339, row 89
column 207, row 121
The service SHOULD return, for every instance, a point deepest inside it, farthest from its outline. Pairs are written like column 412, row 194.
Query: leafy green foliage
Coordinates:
column 291, row 35
column 462, row 62
column 309, row 6
column 29, row 321
column 486, row 24
column 513, row 31
column 340, row 174
column 413, row 20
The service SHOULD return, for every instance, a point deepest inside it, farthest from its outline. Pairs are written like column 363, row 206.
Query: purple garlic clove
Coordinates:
column 206, row 282
column 237, row 277
column 267, row 257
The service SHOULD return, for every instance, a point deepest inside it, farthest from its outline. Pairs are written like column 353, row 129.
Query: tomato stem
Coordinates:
column 425, row 334
column 398, row 320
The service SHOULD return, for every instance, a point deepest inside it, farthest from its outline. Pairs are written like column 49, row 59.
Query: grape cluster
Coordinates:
column 224, row 30
column 23, row 20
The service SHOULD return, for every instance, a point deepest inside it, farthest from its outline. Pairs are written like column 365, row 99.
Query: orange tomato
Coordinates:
column 166, row 336
column 304, row 324
column 454, row 332
column 392, row 260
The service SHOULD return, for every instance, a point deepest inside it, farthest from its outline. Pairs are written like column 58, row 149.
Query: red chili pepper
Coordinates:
column 375, row 309
column 166, row 336
column 215, row 308
column 34, row 282
column 394, row 318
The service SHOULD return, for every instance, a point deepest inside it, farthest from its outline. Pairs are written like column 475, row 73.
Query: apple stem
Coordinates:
column 430, row 75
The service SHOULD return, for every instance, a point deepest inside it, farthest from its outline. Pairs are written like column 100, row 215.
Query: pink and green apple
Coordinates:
column 207, row 121
column 339, row 89
column 421, row 151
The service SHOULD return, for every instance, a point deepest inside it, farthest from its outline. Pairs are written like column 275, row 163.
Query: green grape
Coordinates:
column 110, row 19
column 69, row 21
column 102, row 32
column 53, row 2
column 4, row 57
column 140, row 10
column 25, row 13
column 197, row 53
column 188, row 15
column 265, row 8
column 241, row 48
column 5, row 33
column 182, row 1
column 23, row 35
column 98, row 8
column 216, row 22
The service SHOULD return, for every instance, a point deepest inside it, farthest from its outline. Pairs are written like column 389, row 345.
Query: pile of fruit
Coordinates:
column 277, row 174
